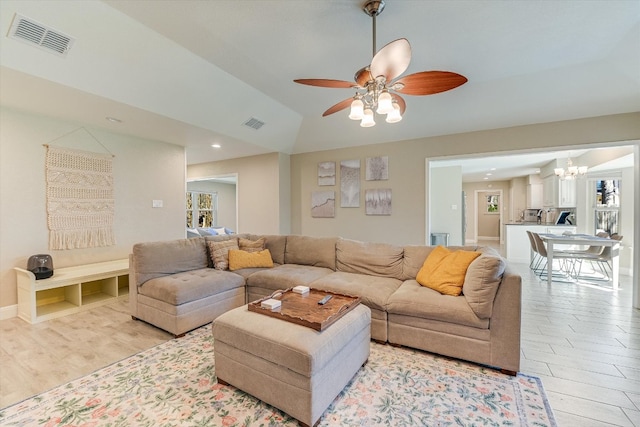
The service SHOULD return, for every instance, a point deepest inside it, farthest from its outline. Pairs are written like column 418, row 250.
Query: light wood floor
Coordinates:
column 583, row 341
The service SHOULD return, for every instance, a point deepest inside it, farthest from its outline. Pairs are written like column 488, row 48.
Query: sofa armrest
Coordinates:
column 505, row 322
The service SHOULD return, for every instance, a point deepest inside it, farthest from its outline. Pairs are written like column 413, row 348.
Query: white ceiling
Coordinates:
column 191, row 72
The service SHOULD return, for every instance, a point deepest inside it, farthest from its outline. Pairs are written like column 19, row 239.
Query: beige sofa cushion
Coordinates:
column 376, row 259
column 249, row 245
column 374, row 290
column 482, row 280
column 315, row 251
column 193, row 285
column 276, row 245
column 286, row 276
column 413, row 299
column 157, row 259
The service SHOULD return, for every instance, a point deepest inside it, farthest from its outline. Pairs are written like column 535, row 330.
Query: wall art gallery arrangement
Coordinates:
column 376, row 201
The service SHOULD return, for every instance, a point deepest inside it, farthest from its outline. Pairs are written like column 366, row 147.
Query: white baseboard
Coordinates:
column 8, row 312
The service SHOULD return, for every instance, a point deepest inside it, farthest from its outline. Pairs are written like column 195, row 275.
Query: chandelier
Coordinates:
column 571, row 172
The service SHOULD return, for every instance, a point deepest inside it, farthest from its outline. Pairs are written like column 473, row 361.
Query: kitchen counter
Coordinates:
column 517, row 244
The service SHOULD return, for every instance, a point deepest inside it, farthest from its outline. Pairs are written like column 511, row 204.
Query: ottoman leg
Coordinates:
column 223, row 382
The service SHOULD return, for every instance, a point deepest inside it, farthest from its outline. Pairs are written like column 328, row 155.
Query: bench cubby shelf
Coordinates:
column 70, row 289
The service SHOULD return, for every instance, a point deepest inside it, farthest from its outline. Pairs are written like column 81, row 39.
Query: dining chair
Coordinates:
column 601, row 258
column 566, row 263
column 536, row 260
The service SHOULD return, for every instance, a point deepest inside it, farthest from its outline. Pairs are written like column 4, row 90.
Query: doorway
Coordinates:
column 226, row 189
column 488, row 215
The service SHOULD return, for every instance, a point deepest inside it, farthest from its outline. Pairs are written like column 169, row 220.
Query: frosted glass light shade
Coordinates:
column 357, row 110
column 367, row 119
column 384, row 103
column 394, row 115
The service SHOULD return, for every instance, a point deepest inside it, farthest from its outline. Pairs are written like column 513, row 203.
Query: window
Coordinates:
column 493, row 204
column 202, row 209
column 607, row 206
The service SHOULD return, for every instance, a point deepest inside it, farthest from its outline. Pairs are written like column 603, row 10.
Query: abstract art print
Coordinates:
column 378, row 201
column 350, row 184
column 323, row 204
column 326, row 173
column 377, row 169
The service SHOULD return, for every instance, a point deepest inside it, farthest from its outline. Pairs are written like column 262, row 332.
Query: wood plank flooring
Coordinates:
column 582, row 340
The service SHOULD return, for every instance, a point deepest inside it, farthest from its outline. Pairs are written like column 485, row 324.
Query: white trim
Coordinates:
column 8, row 312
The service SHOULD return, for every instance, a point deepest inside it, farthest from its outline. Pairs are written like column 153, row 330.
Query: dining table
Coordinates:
column 554, row 240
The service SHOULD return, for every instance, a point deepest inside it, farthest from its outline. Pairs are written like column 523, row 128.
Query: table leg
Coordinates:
column 615, row 265
column 549, row 262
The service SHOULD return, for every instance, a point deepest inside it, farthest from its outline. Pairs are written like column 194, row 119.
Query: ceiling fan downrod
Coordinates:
column 373, row 8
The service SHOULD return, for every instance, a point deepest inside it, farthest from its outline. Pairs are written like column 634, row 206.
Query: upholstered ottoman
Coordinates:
column 292, row 367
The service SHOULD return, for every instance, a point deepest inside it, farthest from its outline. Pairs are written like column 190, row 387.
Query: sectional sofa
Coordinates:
column 175, row 286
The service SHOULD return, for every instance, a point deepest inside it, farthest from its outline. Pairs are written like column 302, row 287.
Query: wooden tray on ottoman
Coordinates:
column 305, row 310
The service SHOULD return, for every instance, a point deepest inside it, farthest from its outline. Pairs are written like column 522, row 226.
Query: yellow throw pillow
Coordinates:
column 242, row 259
column 445, row 270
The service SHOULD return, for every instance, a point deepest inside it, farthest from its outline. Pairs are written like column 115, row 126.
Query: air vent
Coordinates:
column 36, row 34
column 254, row 123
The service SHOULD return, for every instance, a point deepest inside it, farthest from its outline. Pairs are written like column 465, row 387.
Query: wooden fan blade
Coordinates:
column 363, row 76
column 392, row 60
column 401, row 103
column 326, row 83
column 338, row 107
column 430, row 82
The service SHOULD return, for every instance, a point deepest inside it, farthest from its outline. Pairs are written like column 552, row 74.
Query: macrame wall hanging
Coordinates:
column 80, row 200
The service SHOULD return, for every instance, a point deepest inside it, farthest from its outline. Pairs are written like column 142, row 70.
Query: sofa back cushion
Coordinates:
column 482, row 280
column 157, row 259
column 315, row 251
column 375, row 259
column 276, row 245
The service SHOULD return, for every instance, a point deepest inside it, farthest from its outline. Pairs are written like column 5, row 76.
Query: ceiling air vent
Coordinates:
column 254, row 123
column 36, row 34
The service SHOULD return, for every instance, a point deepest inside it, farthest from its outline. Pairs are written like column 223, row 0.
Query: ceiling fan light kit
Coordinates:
column 377, row 84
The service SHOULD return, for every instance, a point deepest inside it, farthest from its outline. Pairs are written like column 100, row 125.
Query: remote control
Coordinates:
column 324, row 300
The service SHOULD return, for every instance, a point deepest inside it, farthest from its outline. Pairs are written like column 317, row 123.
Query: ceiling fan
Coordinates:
column 376, row 84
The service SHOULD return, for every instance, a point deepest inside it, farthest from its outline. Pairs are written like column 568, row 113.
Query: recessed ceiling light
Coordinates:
column 216, row 145
column 485, row 177
column 489, row 174
column 113, row 120
column 492, row 169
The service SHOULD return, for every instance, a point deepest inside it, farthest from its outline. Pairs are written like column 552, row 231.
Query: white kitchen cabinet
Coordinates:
column 559, row 193
column 566, row 193
column 534, row 196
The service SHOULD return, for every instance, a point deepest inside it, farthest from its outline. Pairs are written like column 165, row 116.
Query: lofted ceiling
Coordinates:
column 192, row 72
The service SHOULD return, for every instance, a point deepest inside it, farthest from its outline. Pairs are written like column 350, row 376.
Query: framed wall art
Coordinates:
column 326, row 173
column 377, row 201
column 350, row 184
column 377, row 168
column 323, row 204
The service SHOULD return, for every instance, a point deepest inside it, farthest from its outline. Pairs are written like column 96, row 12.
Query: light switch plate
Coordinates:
column 157, row 203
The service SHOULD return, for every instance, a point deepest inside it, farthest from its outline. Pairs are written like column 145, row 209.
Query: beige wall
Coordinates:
column 226, row 200
column 407, row 178
column 263, row 189
column 143, row 171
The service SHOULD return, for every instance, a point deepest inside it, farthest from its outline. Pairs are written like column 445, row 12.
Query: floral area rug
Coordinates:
column 174, row 384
